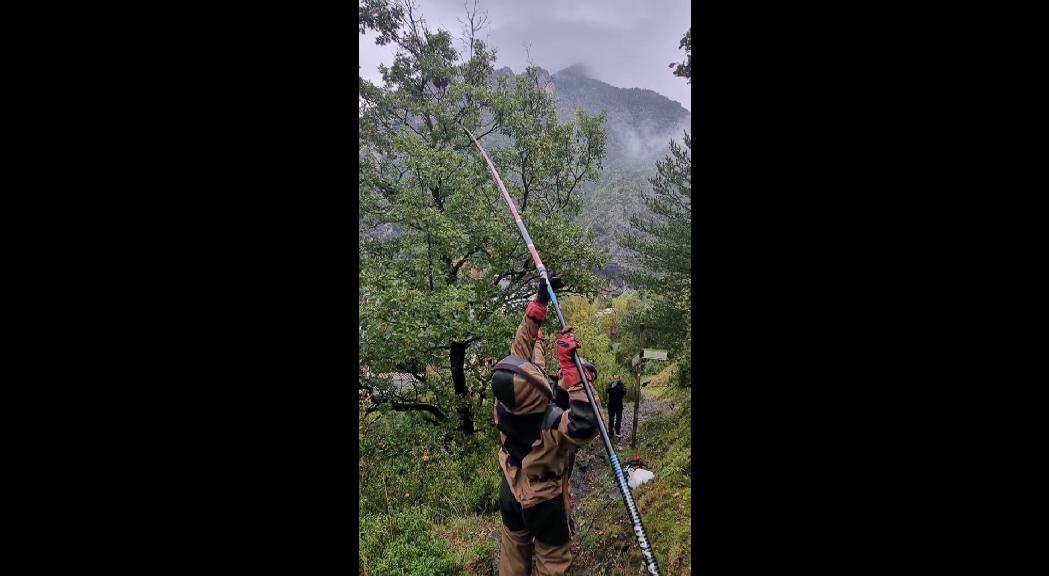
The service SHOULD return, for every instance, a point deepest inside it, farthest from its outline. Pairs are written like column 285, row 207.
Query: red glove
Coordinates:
column 566, row 347
column 540, row 336
column 536, row 310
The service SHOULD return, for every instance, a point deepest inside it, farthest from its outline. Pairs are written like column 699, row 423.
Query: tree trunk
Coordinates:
column 458, row 357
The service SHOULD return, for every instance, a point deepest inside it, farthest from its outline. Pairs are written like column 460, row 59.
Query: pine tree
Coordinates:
column 684, row 69
column 662, row 240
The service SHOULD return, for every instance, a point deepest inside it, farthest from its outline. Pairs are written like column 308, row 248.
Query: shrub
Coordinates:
column 683, row 373
column 403, row 543
column 405, row 502
column 461, row 476
column 483, row 494
column 479, row 556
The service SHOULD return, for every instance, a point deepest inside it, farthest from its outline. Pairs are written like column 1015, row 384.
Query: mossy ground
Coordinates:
column 440, row 517
column 607, row 544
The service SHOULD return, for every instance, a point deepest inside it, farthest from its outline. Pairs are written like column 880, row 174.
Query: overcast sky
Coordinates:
column 626, row 43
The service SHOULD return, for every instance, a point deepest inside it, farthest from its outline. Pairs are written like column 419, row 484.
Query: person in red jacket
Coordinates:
column 537, row 438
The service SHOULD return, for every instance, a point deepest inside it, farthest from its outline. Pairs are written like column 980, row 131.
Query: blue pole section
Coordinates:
column 621, row 482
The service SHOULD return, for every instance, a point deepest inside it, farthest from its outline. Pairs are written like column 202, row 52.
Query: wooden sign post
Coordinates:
column 637, row 397
column 639, row 363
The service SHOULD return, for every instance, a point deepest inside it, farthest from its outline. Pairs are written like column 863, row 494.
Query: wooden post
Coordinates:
column 637, row 398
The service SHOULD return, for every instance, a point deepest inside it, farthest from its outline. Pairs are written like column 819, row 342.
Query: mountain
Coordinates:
column 639, row 128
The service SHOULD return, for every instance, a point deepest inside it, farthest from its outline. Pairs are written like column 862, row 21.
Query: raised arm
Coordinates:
column 535, row 314
column 538, row 356
column 579, row 423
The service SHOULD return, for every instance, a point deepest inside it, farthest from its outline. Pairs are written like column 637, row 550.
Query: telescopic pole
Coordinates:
column 624, row 488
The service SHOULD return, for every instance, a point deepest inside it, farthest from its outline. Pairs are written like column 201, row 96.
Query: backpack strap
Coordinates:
column 552, row 417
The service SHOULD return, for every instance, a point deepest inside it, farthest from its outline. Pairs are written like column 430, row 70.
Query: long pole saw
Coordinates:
column 624, row 489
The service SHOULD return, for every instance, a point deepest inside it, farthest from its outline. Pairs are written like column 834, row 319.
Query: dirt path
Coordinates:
column 592, row 470
column 591, row 467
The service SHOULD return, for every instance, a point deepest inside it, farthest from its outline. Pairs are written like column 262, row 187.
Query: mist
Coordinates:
column 646, row 145
column 625, row 43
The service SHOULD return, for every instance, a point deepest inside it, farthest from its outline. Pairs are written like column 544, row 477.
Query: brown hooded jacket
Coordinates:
column 536, row 435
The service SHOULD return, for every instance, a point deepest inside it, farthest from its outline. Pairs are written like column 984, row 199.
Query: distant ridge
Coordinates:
column 639, row 127
column 576, row 70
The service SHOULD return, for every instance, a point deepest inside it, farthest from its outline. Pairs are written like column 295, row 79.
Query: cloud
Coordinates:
column 626, row 43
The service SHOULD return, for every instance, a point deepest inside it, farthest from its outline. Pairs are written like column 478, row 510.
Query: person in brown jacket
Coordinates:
column 537, row 438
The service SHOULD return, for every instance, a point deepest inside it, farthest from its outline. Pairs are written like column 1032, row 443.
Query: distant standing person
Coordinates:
column 616, row 392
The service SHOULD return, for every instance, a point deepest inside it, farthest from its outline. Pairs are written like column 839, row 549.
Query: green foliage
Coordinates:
column 592, row 327
column 664, row 327
column 444, row 274
column 684, row 69
column 483, row 493
column 662, row 241
column 479, row 555
column 402, row 496
column 474, row 539
column 442, row 266
column 683, row 368
column 402, row 542
column 461, row 476
column 665, row 502
column 639, row 124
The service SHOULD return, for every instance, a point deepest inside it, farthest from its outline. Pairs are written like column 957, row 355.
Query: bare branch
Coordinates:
column 459, row 264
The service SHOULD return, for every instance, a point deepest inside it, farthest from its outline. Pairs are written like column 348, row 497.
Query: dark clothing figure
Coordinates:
column 616, row 392
column 615, row 420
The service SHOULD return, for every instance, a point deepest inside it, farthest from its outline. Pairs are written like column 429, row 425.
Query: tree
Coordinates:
column 662, row 240
column 444, row 275
column 595, row 330
column 684, row 69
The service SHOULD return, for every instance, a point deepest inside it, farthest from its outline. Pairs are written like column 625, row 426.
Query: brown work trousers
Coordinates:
column 542, row 529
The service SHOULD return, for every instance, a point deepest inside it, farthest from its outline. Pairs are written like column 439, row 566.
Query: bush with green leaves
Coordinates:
column 406, row 461
column 594, row 328
column 665, row 502
column 483, row 493
column 403, row 543
column 683, row 369
column 414, row 477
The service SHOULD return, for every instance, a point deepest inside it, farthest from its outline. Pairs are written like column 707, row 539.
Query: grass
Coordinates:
column 474, row 540
column 427, row 501
column 403, row 542
column 406, row 462
column 608, row 544
column 439, row 515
